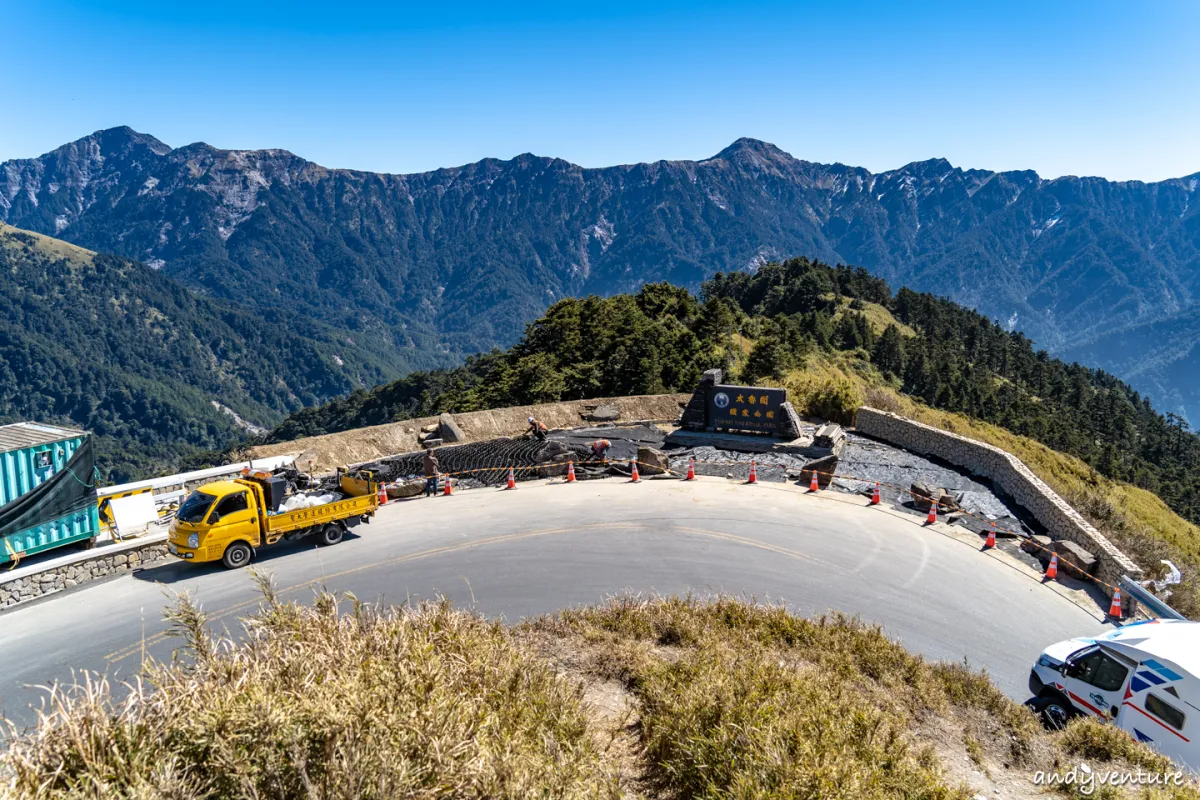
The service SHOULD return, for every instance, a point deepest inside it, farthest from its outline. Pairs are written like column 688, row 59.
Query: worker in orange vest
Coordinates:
column 600, row 449
column 537, row 429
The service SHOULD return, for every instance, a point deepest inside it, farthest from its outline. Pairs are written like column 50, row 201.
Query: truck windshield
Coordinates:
column 195, row 507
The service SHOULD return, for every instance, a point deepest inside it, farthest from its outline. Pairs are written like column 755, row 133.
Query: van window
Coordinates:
column 1168, row 714
column 1100, row 670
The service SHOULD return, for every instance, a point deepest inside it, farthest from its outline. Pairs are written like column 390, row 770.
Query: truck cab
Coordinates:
column 1139, row 677
column 215, row 516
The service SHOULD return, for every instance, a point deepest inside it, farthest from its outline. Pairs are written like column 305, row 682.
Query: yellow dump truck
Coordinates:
column 228, row 520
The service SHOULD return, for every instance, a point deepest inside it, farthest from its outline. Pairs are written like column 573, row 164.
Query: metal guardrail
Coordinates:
column 1139, row 593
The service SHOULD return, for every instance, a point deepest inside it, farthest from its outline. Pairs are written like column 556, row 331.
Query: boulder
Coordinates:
column 554, row 450
column 652, row 462
column 449, row 431
column 824, row 467
column 604, row 413
column 1074, row 560
column 398, row 491
column 555, row 468
column 924, row 495
column 1039, row 546
column 431, row 443
column 429, row 428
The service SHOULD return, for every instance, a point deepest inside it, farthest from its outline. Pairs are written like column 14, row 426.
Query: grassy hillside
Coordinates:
column 668, row 698
column 110, row 345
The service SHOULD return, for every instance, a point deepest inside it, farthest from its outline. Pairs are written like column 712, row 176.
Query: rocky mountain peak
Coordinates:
column 748, row 149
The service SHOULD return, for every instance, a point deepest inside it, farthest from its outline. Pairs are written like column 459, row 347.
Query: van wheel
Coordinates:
column 331, row 534
column 1053, row 711
column 237, row 555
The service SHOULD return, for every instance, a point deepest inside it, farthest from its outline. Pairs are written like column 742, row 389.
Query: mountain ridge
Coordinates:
column 459, row 259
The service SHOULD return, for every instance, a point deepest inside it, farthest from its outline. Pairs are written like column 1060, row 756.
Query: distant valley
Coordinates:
column 420, row 270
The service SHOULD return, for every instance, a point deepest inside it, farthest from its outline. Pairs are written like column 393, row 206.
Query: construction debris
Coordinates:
column 829, row 436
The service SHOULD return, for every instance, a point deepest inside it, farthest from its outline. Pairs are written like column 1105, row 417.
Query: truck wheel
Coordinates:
column 331, row 534
column 1054, row 712
column 237, row 555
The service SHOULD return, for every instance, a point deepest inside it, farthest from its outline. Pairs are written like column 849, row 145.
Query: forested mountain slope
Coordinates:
column 454, row 261
column 110, row 345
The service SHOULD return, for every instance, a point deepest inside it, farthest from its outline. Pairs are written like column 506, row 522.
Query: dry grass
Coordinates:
column 426, row 703
column 704, row 699
column 755, row 702
column 877, row 316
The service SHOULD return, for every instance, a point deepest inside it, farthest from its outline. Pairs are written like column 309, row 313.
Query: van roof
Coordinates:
column 1177, row 641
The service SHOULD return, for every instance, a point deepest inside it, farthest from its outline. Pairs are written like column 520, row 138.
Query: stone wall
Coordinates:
column 31, row 583
column 1011, row 475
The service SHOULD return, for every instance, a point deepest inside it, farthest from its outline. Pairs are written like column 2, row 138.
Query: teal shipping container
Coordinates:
column 47, row 489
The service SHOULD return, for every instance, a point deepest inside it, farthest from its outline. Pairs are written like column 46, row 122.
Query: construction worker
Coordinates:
column 431, row 472
column 600, row 449
column 537, row 429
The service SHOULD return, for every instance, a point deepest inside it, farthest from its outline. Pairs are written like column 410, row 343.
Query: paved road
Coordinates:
column 544, row 547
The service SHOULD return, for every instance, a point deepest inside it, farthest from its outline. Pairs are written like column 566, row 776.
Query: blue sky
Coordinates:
column 1082, row 88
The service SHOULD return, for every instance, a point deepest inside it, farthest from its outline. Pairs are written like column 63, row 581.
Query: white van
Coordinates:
column 1141, row 677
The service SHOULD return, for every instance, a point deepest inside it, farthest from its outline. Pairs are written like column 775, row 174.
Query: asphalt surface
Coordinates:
column 547, row 546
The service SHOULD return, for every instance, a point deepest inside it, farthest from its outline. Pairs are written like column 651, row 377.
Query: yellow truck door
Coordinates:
column 234, row 518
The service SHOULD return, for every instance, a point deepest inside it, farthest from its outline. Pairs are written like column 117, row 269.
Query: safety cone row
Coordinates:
column 1114, row 610
column 570, row 472
column 1052, row 570
column 875, row 495
column 753, row 474
column 991, row 538
column 691, row 474
column 512, row 479
column 633, row 475
column 814, row 485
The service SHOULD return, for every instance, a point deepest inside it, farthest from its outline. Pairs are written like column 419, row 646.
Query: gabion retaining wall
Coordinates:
column 1010, row 474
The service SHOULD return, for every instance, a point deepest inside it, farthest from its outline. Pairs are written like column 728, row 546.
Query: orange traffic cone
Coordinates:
column 691, row 476
column 1052, row 570
column 382, row 495
column 991, row 540
column 633, row 475
column 875, row 495
column 932, row 518
column 512, row 479
column 753, row 474
column 570, row 472
column 1114, row 610
column 814, row 485
column 447, row 491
